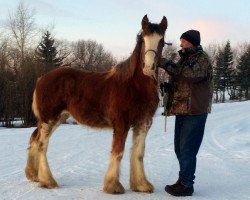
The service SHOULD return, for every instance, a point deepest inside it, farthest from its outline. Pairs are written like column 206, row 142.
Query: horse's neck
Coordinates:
column 131, row 66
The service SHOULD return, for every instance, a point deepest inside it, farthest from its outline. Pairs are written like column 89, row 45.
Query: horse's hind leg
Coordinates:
column 138, row 180
column 44, row 174
column 31, row 169
column 112, row 184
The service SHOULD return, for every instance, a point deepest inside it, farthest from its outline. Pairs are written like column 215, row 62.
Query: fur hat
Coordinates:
column 192, row 36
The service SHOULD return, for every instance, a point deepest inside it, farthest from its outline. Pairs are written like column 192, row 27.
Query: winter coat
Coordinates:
column 192, row 82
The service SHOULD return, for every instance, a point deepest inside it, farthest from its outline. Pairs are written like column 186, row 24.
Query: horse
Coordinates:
column 124, row 97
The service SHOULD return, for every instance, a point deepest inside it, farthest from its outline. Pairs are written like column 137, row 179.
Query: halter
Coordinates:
column 154, row 51
column 151, row 50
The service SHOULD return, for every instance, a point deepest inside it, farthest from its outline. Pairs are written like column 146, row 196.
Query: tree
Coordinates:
column 212, row 51
column 218, row 76
column 8, row 87
column 8, row 96
column 47, row 53
column 91, row 56
column 27, row 79
column 21, row 28
column 243, row 75
column 224, row 73
column 170, row 53
column 229, row 71
column 21, row 25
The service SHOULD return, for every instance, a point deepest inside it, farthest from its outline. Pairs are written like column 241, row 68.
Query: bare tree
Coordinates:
column 170, row 53
column 64, row 51
column 91, row 56
column 8, row 89
column 212, row 51
column 21, row 26
column 19, row 73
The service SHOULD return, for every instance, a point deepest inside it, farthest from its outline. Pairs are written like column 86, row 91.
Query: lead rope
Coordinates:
column 165, row 100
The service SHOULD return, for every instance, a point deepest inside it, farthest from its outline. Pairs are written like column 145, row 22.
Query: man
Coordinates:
column 191, row 77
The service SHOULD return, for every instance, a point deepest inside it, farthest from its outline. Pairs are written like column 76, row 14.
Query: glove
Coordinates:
column 165, row 63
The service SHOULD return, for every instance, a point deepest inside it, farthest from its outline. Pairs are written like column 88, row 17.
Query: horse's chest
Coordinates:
column 146, row 103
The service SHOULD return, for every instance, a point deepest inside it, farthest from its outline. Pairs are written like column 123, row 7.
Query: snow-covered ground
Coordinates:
column 79, row 157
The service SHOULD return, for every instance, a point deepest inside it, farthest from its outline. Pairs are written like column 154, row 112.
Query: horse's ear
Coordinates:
column 164, row 23
column 144, row 22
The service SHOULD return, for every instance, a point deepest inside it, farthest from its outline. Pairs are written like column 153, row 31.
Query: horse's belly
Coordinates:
column 94, row 120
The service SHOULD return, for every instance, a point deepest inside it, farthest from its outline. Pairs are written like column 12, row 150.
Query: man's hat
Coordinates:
column 192, row 36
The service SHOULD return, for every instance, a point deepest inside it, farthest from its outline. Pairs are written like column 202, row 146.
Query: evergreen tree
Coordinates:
column 243, row 75
column 26, row 85
column 224, row 74
column 48, row 54
column 219, row 77
column 233, row 89
column 229, row 71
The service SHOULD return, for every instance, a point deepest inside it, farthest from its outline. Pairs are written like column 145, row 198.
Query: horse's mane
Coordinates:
column 126, row 68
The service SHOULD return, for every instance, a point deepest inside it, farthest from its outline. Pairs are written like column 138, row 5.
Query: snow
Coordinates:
column 79, row 157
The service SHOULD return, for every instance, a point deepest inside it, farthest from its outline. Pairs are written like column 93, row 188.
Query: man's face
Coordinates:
column 185, row 44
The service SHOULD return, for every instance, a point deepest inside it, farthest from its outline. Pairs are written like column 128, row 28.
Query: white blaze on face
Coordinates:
column 151, row 43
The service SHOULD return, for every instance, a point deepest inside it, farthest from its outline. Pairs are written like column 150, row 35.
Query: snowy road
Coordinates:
column 79, row 157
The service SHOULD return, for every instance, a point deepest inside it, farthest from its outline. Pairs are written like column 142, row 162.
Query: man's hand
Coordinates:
column 165, row 63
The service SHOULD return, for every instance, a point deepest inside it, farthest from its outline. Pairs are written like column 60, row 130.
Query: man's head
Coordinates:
column 190, row 38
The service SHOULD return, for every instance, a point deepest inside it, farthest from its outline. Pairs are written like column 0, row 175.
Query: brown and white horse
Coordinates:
column 123, row 98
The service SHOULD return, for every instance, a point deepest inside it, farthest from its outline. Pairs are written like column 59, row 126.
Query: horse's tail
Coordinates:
column 34, row 105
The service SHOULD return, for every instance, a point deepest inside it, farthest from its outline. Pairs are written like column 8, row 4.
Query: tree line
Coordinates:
column 232, row 74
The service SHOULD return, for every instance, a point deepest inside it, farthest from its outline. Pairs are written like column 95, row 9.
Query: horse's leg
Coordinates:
column 112, row 184
column 44, row 174
column 138, row 180
column 31, row 169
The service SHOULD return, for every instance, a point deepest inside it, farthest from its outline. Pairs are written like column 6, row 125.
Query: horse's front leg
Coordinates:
column 138, row 180
column 112, row 184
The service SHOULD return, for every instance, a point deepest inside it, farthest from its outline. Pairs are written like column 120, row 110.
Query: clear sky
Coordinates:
column 115, row 23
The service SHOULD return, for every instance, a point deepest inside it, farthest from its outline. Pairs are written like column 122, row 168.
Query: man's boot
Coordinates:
column 179, row 189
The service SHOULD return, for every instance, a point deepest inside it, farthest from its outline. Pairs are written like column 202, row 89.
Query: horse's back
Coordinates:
column 59, row 75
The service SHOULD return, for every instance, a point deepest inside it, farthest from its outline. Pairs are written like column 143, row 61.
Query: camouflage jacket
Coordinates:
column 192, row 82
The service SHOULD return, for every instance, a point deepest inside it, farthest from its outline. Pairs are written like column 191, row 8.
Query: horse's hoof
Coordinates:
column 115, row 188
column 31, row 175
column 143, row 187
column 50, row 185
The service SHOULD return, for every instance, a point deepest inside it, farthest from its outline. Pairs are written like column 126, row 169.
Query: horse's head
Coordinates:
column 152, row 44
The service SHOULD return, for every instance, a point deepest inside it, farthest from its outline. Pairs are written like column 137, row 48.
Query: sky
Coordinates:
column 79, row 156
column 115, row 23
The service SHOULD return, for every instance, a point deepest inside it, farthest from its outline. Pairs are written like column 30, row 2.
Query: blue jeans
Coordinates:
column 189, row 131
